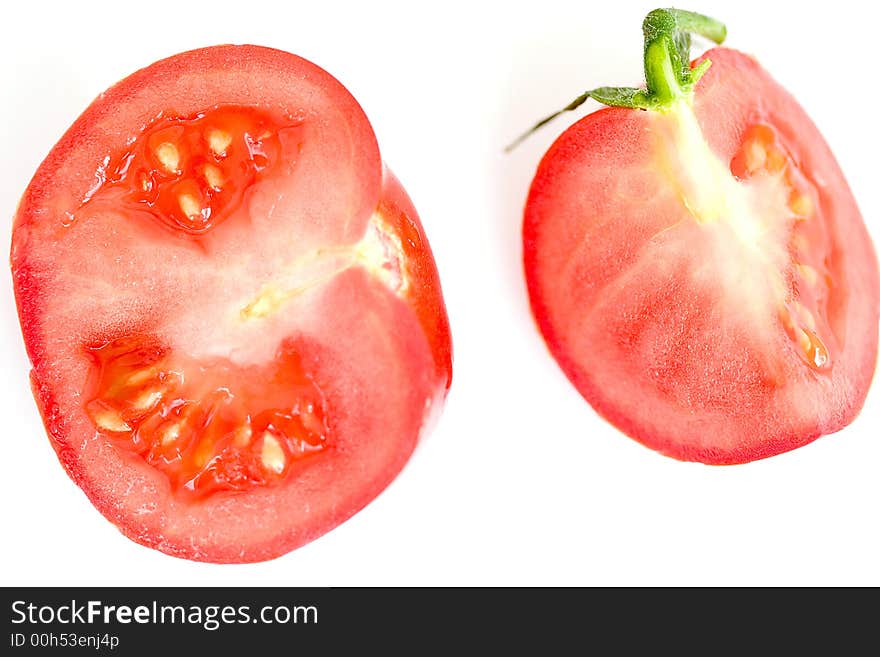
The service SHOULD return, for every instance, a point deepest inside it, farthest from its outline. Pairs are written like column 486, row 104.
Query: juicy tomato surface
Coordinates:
column 232, row 312
column 702, row 274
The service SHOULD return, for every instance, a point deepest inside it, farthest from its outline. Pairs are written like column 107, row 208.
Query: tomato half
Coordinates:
column 700, row 270
column 233, row 315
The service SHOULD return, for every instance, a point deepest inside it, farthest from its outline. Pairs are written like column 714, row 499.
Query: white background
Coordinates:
column 521, row 483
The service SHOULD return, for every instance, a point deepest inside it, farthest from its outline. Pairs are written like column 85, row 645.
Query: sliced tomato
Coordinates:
column 702, row 273
column 234, row 318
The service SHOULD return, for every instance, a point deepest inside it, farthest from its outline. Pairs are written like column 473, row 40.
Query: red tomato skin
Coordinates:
column 397, row 208
column 610, row 149
column 414, row 359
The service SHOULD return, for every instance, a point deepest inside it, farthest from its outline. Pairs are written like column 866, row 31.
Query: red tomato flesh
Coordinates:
column 234, row 318
column 702, row 274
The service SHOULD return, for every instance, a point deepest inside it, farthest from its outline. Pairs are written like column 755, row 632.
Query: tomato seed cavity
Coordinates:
column 804, row 312
column 209, row 427
column 191, row 173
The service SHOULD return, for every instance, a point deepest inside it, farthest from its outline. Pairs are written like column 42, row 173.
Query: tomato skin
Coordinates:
column 653, row 347
column 396, row 206
column 406, row 343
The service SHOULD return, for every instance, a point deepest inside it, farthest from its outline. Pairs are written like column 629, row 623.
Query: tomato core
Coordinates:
column 209, row 426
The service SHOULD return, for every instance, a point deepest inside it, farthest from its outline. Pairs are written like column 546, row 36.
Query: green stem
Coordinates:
column 668, row 74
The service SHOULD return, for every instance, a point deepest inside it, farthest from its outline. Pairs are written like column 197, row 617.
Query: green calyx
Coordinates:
column 668, row 74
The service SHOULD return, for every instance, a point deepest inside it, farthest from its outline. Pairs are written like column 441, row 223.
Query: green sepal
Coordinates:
column 668, row 74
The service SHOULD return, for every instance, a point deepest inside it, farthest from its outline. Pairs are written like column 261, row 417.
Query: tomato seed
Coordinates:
column 756, row 156
column 213, row 176
column 801, row 205
column 219, row 141
column 809, row 274
column 107, row 418
column 190, row 206
column 271, row 454
column 168, row 157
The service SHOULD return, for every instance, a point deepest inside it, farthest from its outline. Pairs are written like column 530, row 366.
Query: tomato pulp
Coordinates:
column 697, row 263
column 233, row 314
